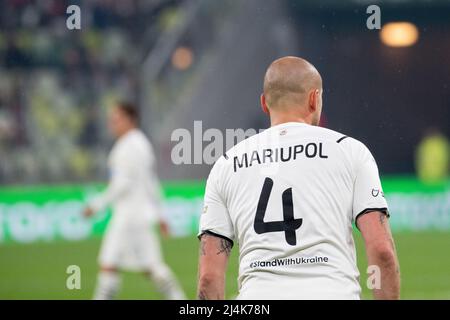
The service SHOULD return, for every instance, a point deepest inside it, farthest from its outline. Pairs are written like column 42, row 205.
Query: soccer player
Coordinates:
column 289, row 196
column 131, row 243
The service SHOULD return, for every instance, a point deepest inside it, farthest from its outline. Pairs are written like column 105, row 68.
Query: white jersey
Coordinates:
column 289, row 196
column 133, row 190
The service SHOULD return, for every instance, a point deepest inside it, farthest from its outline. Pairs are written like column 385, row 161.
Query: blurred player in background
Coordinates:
column 433, row 157
column 289, row 196
column 131, row 243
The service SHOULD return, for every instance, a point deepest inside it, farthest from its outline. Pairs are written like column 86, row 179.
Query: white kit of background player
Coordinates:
column 131, row 241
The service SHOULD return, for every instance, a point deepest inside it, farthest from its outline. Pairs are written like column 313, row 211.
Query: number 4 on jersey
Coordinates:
column 288, row 225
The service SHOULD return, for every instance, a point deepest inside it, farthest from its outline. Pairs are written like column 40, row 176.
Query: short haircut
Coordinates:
column 288, row 81
column 130, row 110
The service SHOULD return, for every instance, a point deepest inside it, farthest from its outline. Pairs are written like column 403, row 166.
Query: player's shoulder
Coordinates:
column 345, row 141
column 352, row 149
column 131, row 145
column 137, row 136
column 328, row 134
column 136, row 139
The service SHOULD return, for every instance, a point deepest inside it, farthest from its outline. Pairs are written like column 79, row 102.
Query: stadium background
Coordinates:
column 182, row 61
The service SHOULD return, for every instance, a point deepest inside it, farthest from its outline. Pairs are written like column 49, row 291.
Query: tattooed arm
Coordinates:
column 380, row 250
column 214, row 253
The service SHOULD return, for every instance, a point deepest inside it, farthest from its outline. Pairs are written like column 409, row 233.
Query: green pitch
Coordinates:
column 38, row 271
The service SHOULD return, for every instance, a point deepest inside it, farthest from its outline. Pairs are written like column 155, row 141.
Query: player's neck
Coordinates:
column 126, row 131
column 276, row 119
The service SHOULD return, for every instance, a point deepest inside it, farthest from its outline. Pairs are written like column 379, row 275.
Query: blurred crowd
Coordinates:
column 56, row 83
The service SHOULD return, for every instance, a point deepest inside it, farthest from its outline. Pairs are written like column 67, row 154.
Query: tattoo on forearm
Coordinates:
column 224, row 247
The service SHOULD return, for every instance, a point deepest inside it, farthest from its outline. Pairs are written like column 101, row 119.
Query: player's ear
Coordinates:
column 264, row 104
column 313, row 100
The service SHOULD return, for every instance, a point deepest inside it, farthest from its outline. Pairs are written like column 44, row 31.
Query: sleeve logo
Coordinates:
column 376, row 192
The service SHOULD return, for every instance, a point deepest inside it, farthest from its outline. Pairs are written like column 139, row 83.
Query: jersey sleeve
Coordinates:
column 215, row 218
column 368, row 193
